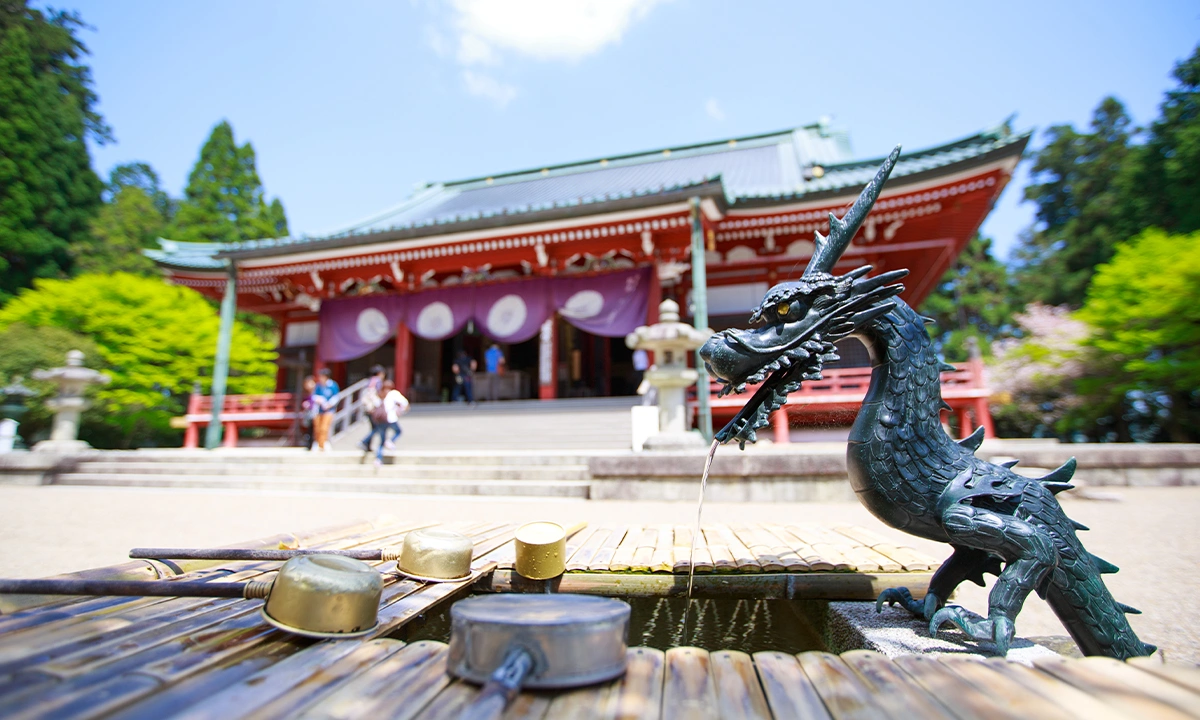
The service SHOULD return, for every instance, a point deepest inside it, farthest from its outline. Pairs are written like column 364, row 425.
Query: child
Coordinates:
column 396, row 405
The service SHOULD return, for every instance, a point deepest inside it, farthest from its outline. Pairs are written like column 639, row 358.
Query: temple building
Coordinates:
column 557, row 264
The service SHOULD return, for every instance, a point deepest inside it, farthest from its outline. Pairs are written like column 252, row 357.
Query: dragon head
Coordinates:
column 800, row 322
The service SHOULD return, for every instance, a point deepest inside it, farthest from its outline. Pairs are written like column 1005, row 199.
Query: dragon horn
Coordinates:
column 829, row 249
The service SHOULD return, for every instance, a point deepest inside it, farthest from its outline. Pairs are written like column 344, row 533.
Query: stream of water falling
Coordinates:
column 695, row 533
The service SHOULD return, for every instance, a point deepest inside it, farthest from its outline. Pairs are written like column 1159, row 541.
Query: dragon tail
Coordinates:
column 1077, row 593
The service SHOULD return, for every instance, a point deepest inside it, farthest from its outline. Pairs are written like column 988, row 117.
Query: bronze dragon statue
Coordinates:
column 904, row 467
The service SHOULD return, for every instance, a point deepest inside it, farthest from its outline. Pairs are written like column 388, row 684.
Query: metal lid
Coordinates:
column 540, row 610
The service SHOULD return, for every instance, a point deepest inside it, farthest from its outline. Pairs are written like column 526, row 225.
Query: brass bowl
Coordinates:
column 324, row 596
column 541, row 550
column 436, row 555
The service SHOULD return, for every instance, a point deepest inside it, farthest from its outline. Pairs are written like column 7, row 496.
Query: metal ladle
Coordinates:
column 512, row 641
column 319, row 596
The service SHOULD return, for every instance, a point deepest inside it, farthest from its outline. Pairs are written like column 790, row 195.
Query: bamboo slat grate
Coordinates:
column 217, row 658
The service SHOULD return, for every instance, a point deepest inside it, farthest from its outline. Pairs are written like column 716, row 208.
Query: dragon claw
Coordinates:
column 899, row 596
column 998, row 629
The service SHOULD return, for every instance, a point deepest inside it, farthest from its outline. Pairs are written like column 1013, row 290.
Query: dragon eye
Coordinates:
column 784, row 308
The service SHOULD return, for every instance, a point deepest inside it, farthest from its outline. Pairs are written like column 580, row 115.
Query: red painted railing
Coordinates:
column 839, row 394
column 276, row 410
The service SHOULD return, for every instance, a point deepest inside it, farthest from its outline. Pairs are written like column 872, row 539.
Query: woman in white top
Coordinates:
column 396, row 405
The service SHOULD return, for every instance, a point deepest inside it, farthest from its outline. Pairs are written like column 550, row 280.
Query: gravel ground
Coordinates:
column 1151, row 533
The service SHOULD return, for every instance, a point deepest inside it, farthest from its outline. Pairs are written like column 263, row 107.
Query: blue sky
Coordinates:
column 349, row 105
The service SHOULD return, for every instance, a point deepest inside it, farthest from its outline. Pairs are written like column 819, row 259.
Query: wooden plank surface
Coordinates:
column 940, row 681
column 739, row 694
column 1067, row 697
column 688, row 692
column 1120, row 676
column 622, row 557
column 398, row 687
column 682, row 552
column 601, row 560
column 905, row 698
column 789, row 691
column 841, row 690
column 1001, row 690
column 638, row 695
column 579, row 560
column 1186, row 675
column 1130, row 699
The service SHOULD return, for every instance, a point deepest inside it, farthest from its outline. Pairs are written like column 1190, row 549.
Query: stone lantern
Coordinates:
column 12, row 409
column 72, row 380
column 671, row 341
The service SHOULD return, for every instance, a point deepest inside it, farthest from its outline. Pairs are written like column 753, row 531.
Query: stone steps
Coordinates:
column 379, row 484
column 362, row 467
column 584, row 424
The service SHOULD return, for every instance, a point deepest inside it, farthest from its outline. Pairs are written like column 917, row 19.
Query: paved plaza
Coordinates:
column 1151, row 533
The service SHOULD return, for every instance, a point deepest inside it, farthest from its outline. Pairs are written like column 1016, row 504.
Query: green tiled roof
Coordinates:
column 808, row 161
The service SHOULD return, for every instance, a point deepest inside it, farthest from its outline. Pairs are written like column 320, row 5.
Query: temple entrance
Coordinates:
column 360, row 368
column 593, row 366
column 433, row 377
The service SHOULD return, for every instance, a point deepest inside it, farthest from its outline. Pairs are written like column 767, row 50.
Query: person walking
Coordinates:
column 323, row 396
column 394, row 405
column 308, row 411
column 464, row 377
column 494, row 361
column 372, row 399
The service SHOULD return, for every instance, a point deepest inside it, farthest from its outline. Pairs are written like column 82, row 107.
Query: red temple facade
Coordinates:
column 758, row 201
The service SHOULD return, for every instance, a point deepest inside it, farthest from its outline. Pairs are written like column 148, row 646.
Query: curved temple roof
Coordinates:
column 806, row 162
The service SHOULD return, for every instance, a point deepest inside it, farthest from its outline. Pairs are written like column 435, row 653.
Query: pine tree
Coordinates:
column 224, row 199
column 1079, row 182
column 1165, row 182
column 975, row 298
column 48, row 192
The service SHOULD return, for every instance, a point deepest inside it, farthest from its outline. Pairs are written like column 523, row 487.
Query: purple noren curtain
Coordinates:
column 611, row 305
column 353, row 327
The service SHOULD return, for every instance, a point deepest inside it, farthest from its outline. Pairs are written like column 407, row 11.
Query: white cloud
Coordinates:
column 713, row 108
column 484, row 31
column 485, row 86
column 548, row 29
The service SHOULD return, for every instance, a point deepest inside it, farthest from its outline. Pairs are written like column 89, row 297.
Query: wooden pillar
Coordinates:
column 964, row 423
column 548, row 360
column 403, row 372
column 779, row 420
column 191, row 436
column 230, row 434
column 983, row 416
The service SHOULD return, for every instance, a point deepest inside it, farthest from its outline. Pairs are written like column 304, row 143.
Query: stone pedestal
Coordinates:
column 672, row 342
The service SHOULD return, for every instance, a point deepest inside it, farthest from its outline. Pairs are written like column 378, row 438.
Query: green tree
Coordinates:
column 134, row 215
column 1082, row 208
column 1164, row 183
column 48, row 191
column 975, row 298
column 1146, row 319
column 140, row 175
column 126, row 224
column 153, row 338
column 224, row 200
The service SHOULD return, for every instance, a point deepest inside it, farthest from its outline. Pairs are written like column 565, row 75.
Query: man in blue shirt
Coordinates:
column 494, row 360
column 323, row 399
